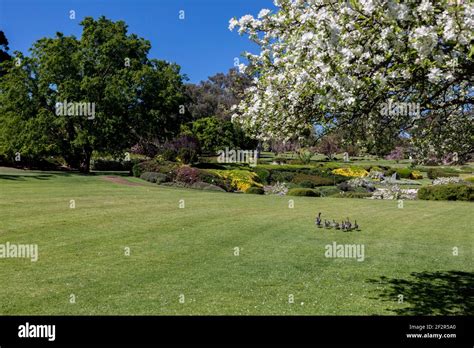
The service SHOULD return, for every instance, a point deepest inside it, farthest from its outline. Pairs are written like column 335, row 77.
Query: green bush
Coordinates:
column 187, row 155
column 255, row 190
column 434, row 173
column 137, row 170
column 263, row 174
column 166, row 168
column 277, row 176
column 214, row 179
column 306, row 184
column 314, row 179
column 206, row 187
column 161, row 178
column 328, row 191
column 154, row 177
column 450, row 192
column 303, row 192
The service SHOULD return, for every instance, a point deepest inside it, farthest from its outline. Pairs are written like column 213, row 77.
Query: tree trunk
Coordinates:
column 86, row 162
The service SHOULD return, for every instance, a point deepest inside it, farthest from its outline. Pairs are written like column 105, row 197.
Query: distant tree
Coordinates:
column 397, row 154
column 215, row 134
column 329, row 145
column 217, row 95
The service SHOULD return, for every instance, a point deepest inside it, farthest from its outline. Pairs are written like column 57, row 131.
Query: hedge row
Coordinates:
column 451, row 192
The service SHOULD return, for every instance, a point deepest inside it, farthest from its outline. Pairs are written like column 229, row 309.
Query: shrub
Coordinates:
column 304, row 156
column 351, row 172
column 263, row 174
column 306, row 184
column 313, row 179
column 154, row 177
column 450, row 192
column 206, row 187
column 166, row 168
column 303, row 192
column 434, row 173
column 278, row 176
column 169, row 155
column 416, row 175
column 255, row 190
column 240, row 180
column 214, row 179
column 187, row 155
column 328, row 191
column 161, row 178
column 404, row 173
column 187, row 175
column 137, row 170
column 185, row 149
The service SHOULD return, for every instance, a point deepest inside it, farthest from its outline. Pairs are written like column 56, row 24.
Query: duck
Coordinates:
column 348, row 224
column 356, row 227
column 327, row 224
column 318, row 220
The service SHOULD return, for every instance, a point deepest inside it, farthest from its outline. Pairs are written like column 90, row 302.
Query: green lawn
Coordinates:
column 190, row 251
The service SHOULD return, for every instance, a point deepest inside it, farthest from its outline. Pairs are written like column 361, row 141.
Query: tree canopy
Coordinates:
column 133, row 97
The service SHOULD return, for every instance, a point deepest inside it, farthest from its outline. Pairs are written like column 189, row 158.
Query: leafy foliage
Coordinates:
column 255, row 190
column 449, row 192
column 302, row 192
column 135, row 98
column 351, row 172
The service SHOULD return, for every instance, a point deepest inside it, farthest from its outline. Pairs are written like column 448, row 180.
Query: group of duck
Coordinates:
column 344, row 225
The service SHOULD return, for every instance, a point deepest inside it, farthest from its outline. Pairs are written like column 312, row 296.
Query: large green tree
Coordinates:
column 134, row 98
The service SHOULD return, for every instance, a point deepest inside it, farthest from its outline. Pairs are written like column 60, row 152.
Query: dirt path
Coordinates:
column 122, row 181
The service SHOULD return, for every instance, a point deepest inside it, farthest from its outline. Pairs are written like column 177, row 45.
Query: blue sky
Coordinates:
column 201, row 43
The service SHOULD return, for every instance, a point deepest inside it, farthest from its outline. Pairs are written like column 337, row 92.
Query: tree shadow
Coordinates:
column 20, row 176
column 23, row 177
column 430, row 293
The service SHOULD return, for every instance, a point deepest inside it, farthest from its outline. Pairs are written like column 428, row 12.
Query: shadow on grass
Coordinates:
column 23, row 177
column 50, row 175
column 431, row 293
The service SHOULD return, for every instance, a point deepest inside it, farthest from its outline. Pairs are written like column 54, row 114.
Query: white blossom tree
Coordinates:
column 340, row 63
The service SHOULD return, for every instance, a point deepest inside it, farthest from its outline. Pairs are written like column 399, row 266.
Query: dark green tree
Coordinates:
column 134, row 98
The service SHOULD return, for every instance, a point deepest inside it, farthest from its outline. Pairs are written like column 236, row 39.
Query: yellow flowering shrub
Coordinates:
column 416, row 175
column 241, row 180
column 351, row 171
